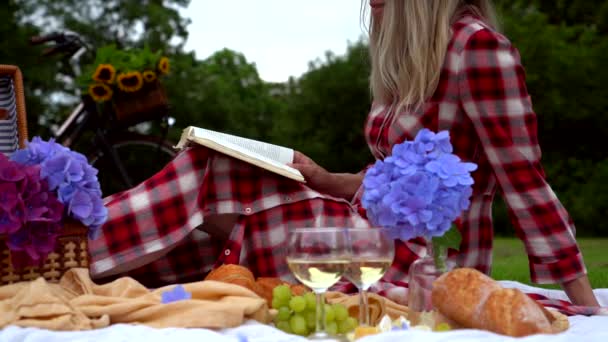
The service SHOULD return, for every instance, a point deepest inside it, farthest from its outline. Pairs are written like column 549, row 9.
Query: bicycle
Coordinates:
column 123, row 156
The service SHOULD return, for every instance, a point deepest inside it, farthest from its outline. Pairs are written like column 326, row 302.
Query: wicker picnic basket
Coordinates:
column 146, row 104
column 13, row 122
column 71, row 248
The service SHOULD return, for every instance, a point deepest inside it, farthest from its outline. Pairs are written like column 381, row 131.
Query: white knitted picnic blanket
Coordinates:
column 582, row 328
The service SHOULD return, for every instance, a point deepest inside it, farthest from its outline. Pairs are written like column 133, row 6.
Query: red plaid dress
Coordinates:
column 481, row 98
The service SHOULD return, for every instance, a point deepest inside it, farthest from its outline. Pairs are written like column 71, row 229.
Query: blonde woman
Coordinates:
column 439, row 64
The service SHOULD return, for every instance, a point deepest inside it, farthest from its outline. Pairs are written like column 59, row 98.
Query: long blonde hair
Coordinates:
column 408, row 46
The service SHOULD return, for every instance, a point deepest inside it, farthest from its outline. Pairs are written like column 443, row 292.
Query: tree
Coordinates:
column 39, row 80
column 563, row 55
column 157, row 23
column 126, row 23
column 223, row 92
column 326, row 110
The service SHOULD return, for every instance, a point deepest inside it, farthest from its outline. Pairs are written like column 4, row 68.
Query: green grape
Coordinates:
column 284, row 326
column 332, row 328
column 284, row 313
column 282, row 293
column 278, row 303
column 352, row 322
column 311, row 319
column 298, row 325
column 345, row 326
column 340, row 312
column 311, row 301
column 297, row 303
column 330, row 316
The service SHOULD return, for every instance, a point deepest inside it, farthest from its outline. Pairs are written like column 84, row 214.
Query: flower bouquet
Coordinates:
column 129, row 80
column 44, row 189
column 419, row 192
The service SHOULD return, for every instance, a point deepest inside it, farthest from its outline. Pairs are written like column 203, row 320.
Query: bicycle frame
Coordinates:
column 62, row 135
column 84, row 118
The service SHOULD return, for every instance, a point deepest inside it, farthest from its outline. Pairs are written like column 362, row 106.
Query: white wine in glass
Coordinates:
column 318, row 275
column 363, row 272
column 318, row 257
column 372, row 253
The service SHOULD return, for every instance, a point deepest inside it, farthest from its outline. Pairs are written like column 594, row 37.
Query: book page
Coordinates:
column 277, row 153
column 274, row 158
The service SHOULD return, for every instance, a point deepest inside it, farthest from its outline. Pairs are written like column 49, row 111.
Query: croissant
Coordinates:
column 267, row 284
column 298, row 289
column 473, row 300
column 241, row 275
column 234, row 274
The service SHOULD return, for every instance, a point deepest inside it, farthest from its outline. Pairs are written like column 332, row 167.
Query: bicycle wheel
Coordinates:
column 141, row 156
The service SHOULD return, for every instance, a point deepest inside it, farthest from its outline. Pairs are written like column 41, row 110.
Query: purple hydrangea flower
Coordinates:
column 29, row 212
column 174, row 295
column 420, row 189
column 37, row 239
column 9, row 171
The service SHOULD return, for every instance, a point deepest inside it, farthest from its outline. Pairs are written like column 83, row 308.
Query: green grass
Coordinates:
column 511, row 261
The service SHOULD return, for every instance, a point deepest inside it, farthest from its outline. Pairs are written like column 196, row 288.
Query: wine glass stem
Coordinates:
column 363, row 307
column 320, row 314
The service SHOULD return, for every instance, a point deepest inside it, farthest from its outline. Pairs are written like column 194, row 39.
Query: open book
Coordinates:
column 267, row 156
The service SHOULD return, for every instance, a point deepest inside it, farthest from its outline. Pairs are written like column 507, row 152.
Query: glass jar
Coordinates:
column 422, row 274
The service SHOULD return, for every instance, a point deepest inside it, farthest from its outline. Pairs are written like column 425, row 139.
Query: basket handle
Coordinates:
column 15, row 73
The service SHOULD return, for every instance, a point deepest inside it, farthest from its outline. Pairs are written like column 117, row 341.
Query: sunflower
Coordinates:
column 100, row 92
column 104, row 73
column 163, row 65
column 130, row 81
column 149, row 76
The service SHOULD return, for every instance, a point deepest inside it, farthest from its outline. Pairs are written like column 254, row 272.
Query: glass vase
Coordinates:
column 422, row 274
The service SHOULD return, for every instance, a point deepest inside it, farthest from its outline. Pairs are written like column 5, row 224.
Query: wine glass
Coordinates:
column 318, row 257
column 372, row 253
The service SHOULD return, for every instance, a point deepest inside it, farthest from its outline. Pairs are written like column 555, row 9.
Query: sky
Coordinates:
column 280, row 36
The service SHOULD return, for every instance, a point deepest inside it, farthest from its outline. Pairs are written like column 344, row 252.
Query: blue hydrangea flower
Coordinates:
column 71, row 177
column 420, row 189
column 174, row 295
column 37, row 151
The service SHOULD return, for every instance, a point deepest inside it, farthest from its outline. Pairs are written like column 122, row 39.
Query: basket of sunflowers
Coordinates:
column 129, row 82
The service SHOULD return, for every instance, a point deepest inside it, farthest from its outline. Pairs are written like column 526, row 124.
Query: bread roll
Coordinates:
column 459, row 294
column 511, row 312
column 474, row 300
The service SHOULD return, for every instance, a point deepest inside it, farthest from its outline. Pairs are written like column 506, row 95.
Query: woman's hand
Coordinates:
column 316, row 176
column 342, row 185
column 580, row 292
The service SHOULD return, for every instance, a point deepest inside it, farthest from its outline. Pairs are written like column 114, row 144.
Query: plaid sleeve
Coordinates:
column 495, row 98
